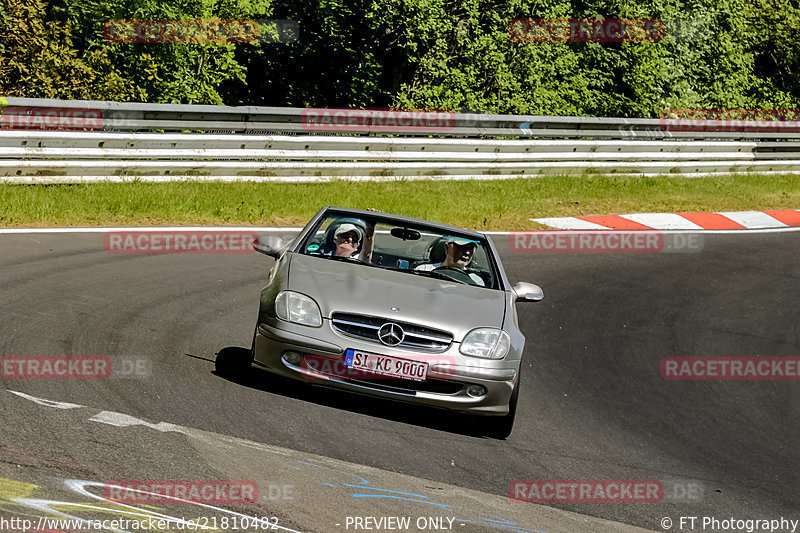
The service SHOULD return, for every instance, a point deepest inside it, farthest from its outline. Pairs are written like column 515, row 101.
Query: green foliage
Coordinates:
column 336, row 62
column 166, row 72
column 38, row 59
column 463, row 57
column 442, row 54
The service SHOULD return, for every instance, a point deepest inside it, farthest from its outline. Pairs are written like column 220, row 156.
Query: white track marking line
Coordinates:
column 754, row 219
column 569, row 223
column 753, row 222
column 124, row 420
column 47, row 403
column 662, row 221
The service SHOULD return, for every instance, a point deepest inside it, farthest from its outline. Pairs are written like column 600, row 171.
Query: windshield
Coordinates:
column 416, row 250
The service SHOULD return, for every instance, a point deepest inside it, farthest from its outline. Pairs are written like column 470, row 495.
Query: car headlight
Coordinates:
column 491, row 343
column 298, row 308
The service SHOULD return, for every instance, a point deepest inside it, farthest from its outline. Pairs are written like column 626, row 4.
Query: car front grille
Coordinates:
column 416, row 337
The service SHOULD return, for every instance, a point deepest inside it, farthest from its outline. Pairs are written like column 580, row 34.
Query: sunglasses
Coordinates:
column 352, row 236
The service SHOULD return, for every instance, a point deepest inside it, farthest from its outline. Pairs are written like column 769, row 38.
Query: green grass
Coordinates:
column 487, row 205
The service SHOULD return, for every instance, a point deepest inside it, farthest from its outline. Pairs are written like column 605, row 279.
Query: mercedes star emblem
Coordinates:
column 391, row 334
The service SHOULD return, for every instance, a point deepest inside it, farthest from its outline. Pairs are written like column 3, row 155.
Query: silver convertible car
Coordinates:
column 393, row 307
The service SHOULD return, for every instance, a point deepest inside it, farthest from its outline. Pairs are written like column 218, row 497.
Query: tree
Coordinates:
column 38, row 59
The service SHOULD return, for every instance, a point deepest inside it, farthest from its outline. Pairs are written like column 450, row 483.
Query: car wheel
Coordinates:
column 233, row 362
column 500, row 426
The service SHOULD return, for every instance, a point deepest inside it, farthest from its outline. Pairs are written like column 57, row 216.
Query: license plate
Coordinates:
column 385, row 365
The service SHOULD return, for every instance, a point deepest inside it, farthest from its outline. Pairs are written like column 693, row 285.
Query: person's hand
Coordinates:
column 371, row 223
column 366, row 249
column 346, row 248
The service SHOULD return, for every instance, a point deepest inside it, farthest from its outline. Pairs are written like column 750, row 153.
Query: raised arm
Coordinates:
column 369, row 240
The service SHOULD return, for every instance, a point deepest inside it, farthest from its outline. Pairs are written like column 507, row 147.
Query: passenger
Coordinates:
column 458, row 254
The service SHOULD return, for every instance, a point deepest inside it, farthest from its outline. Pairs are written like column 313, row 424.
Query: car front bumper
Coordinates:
column 449, row 373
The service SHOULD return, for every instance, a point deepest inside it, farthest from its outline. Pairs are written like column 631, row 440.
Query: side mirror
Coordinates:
column 269, row 245
column 528, row 292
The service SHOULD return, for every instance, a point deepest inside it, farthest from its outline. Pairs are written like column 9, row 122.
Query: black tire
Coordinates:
column 500, row 427
column 233, row 362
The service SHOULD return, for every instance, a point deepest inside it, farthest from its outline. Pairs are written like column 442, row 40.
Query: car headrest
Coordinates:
column 436, row 252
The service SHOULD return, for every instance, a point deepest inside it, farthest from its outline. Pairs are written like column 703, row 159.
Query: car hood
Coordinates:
column 350, row 287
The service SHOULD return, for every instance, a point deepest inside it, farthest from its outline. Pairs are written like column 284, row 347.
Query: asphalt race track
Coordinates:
column 592, row 406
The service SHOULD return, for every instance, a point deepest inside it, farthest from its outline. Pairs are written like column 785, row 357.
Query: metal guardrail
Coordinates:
column 130, row 117
column 274, row 144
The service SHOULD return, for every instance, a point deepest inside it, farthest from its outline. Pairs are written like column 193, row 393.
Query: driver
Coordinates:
column 458, row 254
